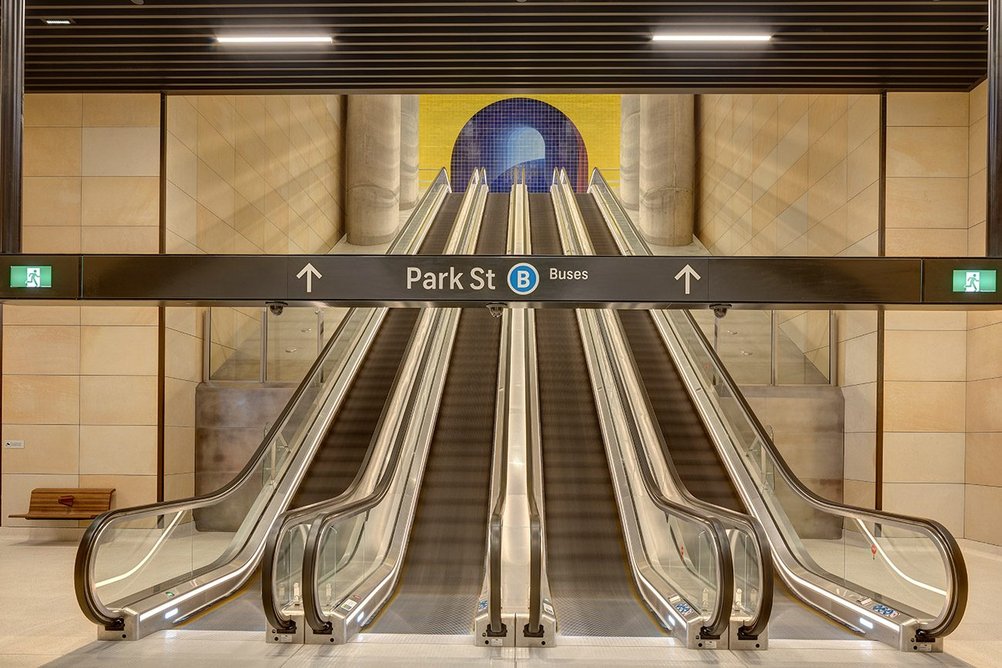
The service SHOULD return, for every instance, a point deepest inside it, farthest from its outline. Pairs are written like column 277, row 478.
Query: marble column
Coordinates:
column 667, row 168
column 629, row 151
column 409, row 188
column 372, row 169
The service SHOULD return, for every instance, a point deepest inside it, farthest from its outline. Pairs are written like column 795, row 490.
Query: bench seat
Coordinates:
column 67, row 503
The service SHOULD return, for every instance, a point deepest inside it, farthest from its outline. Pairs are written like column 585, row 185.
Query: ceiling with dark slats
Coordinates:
column 506, row 46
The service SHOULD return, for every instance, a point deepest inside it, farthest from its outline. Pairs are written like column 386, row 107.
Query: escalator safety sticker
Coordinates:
column 882, row 609
column 349, row 604
column 547, row 608
column 683, row 608
column 482, row 605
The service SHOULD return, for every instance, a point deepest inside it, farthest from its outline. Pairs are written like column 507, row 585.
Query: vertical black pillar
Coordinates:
column 11, row 122
column 993, row 228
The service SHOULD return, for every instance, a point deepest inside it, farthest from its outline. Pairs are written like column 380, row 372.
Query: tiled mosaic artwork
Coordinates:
column 520, row 133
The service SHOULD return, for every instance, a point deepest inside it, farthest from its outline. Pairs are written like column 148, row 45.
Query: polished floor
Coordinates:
column 40, row 624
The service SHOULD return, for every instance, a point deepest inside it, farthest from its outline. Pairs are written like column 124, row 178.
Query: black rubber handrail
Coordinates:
column 278, row 621
column 85, row 594
column 349, row 508
column 719, row 620
column 341, row 508
column 533, row 628
column 957, row 594
column 745, row 523
column 496, row 628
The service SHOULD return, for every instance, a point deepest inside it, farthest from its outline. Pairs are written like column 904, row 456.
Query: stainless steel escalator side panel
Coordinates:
column 516, row 611
column 369, row 593
column 407, row 446
column 850, row 604
column 164, row 605
column 633, row 477
column 284, row 622
column 748, row 626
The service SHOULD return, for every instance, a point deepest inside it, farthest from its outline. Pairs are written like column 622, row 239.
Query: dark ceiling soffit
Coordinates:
column 502, row 46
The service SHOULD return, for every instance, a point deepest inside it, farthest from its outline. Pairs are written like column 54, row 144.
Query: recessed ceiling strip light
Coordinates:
column 57, row 22
column 695, row 38
column 275, row 39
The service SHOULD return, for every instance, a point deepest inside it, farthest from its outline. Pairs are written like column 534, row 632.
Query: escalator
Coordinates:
column 689, row 446
column 443, row 569
column 182, row 532
column 347, row 440
column 873, row 574
column 590, row 582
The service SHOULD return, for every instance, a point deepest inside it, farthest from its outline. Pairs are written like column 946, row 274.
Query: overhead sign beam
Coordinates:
column 475, row 280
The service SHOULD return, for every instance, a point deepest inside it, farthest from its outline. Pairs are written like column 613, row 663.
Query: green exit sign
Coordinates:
column 30, row 277
column 974, row 280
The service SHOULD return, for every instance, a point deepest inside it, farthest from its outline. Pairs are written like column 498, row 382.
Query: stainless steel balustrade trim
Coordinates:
column 958, row 586
column 719, row 621
column 736, row 521
column 576, row 242
column 413, row 232
column 534, row 448
column 534, row 485
column 278, row 620
column 350, row 507
column 496, row 628
column 519, row 243
column 461, row 241
column 747, row 524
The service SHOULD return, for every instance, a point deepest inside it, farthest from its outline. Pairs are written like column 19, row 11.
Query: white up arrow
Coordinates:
column 310, row 271
column 689, row 273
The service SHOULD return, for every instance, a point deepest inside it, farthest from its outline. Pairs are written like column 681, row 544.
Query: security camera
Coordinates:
column 720, row 310
column 276, row 308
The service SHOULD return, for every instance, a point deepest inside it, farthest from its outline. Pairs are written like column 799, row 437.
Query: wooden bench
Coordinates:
column 67, row 503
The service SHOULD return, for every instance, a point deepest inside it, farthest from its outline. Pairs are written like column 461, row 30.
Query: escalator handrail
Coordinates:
column 739, row 521
column 537, row 540
column 277, row 620
column 534, row 445
column 345, row 508
column 519, row 243
column 730, row 518
column 86, row 552
column 957, row 592
column 719, row 620
column 496, row 627
column 341, row 508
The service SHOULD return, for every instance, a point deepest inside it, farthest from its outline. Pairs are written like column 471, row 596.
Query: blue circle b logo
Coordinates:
column 523, row 278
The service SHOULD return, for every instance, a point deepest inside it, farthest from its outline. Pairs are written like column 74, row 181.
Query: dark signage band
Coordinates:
column 472, row 280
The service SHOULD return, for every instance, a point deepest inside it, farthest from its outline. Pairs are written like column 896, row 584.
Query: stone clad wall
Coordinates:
column 80, row 383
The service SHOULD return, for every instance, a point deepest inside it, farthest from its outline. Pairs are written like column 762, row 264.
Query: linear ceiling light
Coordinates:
column 57, row 22
column 274, row 39
column 706, row 38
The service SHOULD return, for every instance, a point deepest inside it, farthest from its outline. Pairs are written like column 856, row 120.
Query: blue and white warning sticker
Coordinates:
column 882, row 609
